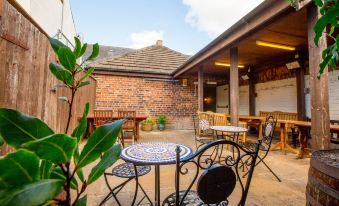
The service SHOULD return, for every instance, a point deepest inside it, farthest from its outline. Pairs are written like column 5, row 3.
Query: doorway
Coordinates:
column 222, row 99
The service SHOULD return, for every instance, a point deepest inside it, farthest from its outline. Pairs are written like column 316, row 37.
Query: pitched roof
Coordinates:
column 107, row 51
column 155, row 59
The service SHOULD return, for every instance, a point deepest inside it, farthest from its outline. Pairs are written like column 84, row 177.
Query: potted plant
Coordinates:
column 161, row 122
column 147, row 125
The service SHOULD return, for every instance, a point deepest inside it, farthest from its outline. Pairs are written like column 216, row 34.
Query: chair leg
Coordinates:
column 113, row 191
column 276, row 176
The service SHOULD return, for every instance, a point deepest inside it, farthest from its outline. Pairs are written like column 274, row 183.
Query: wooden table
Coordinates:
column 138, row 119
column 248, row 118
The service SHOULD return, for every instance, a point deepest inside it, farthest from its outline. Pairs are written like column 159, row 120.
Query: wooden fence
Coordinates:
column 26, row 84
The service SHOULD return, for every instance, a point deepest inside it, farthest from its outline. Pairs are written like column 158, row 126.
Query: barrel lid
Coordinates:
column 326, row 161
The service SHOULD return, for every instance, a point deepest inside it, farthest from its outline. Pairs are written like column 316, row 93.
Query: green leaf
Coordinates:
column 81, row 128
column 57, row 173
column 95, row 52
column 17, row 128
column 57, row 148
column 33, row 194
column 67, row 58
column 79, row 172
column 61, row 73
column 318, row 2
column 320, row 25
column 88, row 73
column 77, row 48
column 56, row 44
column 83, row 49
column 18, row 168
column 100, row 141
column 85, row 83
column 1, row 141
column 108, row 159
column 82, row 201
column 45, row 169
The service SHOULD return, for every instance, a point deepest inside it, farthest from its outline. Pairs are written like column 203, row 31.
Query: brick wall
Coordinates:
column 149, row 98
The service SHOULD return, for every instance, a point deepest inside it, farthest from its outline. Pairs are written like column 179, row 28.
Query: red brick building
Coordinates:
column 141, row 80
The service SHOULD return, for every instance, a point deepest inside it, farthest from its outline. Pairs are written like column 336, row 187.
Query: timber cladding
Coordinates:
column 26, row 84
column 150, row 98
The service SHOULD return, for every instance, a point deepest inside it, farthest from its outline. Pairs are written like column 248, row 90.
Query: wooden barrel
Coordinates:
column 323, row 179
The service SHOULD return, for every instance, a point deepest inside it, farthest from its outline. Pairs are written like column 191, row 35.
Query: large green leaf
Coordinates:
column 18, row 168
column 95, row 52
column 32, row 194
column 61, row 73
column 1, row 141
column 83, row 49
column 108, row 159
column 100, row 141
column 88, row 73
column 45, row 169
column 56, row 44
column 57, row 148
column 58, row 174
column 67, row 58
column 320, row 25
column 77, row 48
column 82, row 201
column 79, row 171
column 17, row 128
column 81, row 128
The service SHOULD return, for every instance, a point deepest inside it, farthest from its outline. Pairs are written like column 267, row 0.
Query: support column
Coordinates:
column 201, row 89
column 234, row 86
column 318, row 87
column 301, row 108
column 251, row 93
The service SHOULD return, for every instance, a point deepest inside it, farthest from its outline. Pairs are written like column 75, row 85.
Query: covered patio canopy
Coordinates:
column 271, row 35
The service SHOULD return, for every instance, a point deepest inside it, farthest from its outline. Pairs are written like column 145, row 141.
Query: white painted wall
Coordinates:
column 280, row 95
column 51, row 15
column 244, row 101
column 333, row 95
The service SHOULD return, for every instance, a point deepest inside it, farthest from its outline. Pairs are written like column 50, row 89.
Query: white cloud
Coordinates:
column 145, row 38
column 215, row 16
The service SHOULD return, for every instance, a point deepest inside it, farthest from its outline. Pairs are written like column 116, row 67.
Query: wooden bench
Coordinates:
column 281, row 116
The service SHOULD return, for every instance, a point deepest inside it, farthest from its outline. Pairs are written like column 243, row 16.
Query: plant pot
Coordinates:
column 147, row 127
column 161, row 127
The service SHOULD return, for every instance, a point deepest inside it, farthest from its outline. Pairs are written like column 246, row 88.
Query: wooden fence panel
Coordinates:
column 26, row 84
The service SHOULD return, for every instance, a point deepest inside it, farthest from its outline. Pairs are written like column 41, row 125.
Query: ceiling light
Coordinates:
column 227, row 65
column 274, row 45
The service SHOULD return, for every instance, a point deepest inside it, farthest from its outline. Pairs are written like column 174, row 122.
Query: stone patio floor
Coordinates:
column 264, row 190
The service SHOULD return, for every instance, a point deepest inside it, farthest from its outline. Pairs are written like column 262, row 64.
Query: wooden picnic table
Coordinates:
column 248, row 118
column 138, row 119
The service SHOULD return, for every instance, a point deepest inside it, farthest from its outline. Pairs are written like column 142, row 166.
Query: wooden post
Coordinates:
column 320, row 131
column 251, row 94
column 300, row 93
column 2, row 5
column 234, row 86
column 201, row 89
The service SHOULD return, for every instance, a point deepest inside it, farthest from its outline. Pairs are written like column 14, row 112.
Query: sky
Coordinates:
column 184, row 25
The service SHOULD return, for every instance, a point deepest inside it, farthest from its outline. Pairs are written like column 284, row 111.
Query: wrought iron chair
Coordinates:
column 220, row 174
column 129, row 126
column 268, row 131
column 202, row 132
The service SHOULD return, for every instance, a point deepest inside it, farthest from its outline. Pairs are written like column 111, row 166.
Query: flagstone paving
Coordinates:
column 264, row 190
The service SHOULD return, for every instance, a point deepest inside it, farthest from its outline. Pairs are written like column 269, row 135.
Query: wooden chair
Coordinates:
column 129, row 126
column 202, row 132
column 219, row 120
column 216, row 175
column 102, row 116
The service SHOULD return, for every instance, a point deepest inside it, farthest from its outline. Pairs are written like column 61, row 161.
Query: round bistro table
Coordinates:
column 154, row 153
column 230, row 129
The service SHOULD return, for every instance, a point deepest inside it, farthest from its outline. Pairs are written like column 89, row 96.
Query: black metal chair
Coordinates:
column 268, row 131
column 202, row 133
column 220, row 173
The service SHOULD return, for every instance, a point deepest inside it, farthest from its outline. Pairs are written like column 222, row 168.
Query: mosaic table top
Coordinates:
column 232, row 129
column 154, row 153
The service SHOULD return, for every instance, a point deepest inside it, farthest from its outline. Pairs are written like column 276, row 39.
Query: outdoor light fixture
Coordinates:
column 184, row 82
column 227, row 65
column 274, row 45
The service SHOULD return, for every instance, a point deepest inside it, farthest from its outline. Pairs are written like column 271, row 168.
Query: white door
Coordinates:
column 223, row 99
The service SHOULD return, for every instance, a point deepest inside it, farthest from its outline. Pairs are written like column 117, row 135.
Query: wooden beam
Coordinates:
column 251, row 93
column 234, row 86
column 201, row 89
column 2, row 5
column 301, row 108
column 318, row 87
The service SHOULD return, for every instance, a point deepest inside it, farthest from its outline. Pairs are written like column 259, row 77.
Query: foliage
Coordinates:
column 45, row 162
column 161, row 119
column 327, row 24
column 149, row 120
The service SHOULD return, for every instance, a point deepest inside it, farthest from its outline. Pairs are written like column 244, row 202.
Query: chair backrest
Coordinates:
column 205, row 120
column 130, row 115
column 101, row 116
column 268, row 132
column 219, row 119
column 220, row 171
